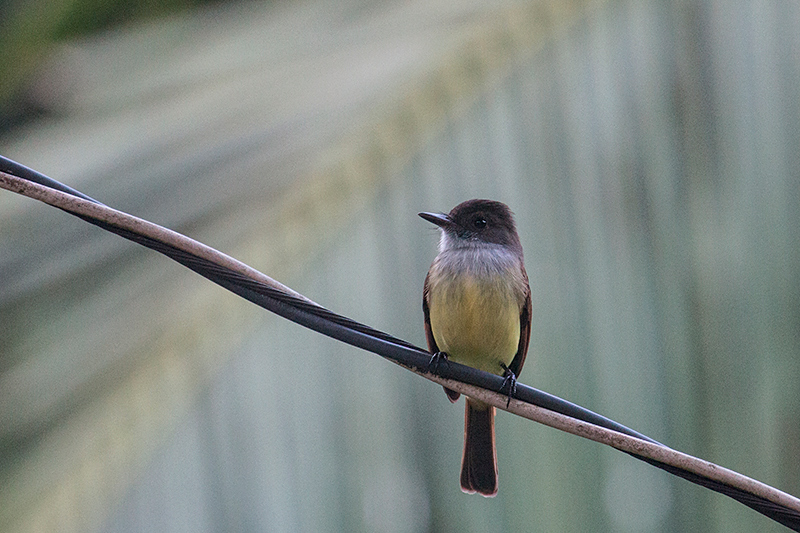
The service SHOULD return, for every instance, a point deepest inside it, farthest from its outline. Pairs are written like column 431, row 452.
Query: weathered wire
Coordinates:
column 526, row 401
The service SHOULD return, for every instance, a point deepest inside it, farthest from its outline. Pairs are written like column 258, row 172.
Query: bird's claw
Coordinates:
column 509, row 384
column 436, row 361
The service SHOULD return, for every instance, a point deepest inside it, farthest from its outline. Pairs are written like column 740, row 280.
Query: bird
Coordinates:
column 477, row 311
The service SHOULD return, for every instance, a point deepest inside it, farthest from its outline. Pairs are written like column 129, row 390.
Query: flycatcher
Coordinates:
column 477, row 307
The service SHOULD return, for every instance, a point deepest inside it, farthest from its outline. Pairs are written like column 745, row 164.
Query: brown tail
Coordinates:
column 479, row 463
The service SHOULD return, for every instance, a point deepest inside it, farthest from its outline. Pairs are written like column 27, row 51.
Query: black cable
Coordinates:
column 362, row 336
column 21, row 171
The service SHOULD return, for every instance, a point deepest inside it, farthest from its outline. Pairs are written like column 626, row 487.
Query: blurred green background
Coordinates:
column 650, row 150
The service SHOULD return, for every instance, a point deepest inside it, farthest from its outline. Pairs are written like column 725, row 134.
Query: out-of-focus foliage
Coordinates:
column 648, row 148
column 29, row 30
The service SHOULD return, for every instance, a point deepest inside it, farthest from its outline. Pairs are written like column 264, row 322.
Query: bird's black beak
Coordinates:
column 440, row 219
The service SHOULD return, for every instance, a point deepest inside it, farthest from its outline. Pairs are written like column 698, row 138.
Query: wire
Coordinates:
column 271, row 295
column 21, row 171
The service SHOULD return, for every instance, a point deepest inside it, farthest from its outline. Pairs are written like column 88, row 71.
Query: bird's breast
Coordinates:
column 475, row 319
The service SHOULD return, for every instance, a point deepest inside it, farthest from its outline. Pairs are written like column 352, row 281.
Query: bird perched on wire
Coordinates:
column 477, row 306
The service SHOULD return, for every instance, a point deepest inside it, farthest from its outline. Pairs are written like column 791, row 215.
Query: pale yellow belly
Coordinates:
column 476, row 322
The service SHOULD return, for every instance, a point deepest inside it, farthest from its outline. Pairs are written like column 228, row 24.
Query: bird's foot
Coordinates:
column 436, row 362
column 509, row 384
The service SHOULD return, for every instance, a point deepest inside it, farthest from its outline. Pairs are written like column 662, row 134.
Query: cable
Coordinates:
column 271, row 295
column 21, row 171
column 333, row 325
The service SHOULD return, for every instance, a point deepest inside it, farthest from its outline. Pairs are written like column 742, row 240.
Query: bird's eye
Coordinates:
column 479, row 223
